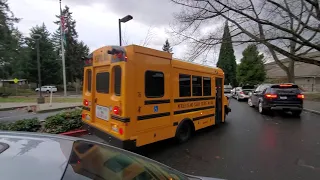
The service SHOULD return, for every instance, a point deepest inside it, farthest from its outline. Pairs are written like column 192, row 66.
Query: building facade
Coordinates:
column 307, row 76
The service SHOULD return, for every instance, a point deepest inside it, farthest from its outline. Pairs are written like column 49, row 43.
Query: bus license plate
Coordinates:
column 283, row 97
column 102, row 112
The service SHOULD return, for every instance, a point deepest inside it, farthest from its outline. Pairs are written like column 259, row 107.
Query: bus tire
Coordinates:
column 184, row 131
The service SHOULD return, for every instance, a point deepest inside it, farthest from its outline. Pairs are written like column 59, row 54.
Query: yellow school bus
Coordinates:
column 133, row 96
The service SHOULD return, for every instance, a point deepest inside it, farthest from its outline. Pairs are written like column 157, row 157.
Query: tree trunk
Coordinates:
column 290, row 72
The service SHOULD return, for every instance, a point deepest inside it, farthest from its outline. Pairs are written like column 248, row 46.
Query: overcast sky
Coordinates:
column 97, row 21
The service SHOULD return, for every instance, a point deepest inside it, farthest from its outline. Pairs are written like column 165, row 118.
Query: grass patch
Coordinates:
column 17, row 92
column 34, row 100
column 312, row 97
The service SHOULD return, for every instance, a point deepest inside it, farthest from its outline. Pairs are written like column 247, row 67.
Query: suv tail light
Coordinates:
column 271, row 96
column 300, row 96
column 241, row 92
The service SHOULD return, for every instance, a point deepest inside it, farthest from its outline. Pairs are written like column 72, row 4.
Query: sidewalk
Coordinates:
column 312, row 106
column 39, row 108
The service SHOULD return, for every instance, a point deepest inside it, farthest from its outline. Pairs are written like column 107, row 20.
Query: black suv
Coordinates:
column 284, row 97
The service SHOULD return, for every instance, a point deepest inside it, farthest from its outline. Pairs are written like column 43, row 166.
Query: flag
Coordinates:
column 63, row 26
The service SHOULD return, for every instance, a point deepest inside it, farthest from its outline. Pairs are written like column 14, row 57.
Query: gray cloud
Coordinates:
column 149, row 12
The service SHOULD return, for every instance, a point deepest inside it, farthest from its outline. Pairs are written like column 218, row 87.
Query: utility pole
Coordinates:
column 62, row 53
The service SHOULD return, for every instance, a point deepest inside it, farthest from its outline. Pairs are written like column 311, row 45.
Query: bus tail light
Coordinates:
column 121, row 131
column 300, row 96
column 85, row 102
column 115, row 128
column 271, row 96
column 116, row 110
column 86, row 116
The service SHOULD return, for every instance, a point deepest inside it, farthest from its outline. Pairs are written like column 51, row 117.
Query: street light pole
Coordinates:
column 120, row 42
column 123, row 20
column 37, row 37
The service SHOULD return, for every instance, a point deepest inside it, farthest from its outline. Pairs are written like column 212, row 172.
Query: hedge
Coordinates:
column 62, row 122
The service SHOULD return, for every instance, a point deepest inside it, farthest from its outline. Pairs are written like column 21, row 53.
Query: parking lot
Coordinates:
column 248, row 146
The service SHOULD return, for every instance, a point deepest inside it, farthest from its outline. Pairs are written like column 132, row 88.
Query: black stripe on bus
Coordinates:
column 122, row 119
column 163, row 101
column 175, row 124
column 85, row 108
column 150, row 116
column 193, row 99
column 202, row 117
column 191, row 110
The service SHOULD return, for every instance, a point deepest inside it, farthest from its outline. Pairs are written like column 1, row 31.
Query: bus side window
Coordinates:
column 154, row 84
column 196, row 86
column 206, row 86
column 184, row 85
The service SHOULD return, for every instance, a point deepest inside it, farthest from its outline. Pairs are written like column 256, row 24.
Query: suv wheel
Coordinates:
column 250, row 102
column 261, row 109
column 296, row 113
column 48, row 91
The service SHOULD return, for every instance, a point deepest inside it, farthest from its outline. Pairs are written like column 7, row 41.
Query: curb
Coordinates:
column 75, row 133
column 312, row 111
column 12, row 108
column 57, row 109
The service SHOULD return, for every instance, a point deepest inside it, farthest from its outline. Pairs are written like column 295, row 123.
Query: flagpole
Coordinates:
column 62, row 55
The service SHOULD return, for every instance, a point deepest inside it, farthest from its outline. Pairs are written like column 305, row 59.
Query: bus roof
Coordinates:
column 196, row 67
column 175, row 62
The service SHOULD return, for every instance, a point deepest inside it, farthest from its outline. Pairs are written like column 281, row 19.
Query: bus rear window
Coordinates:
column 102, row 82
column 89, row 78
column 117, row 80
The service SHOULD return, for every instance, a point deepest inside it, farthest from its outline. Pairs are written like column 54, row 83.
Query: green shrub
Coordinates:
column 63, row 122
column 3, row 126
column 29, row 125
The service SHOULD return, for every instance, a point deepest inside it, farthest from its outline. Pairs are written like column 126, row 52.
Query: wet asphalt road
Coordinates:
column 248, row 146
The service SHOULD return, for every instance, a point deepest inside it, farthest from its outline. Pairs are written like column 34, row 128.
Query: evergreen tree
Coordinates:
column 251, row 69
column 166, row 47
column 227, row 60
column 9, row 45
column 50, row 66
column 74, row 50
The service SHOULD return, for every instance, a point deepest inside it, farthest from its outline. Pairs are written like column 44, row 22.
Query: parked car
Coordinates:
column 282, row 97
column 242, row 93
column 47, row 89
column 227, row 90
column 54, row 157
column 233, row 91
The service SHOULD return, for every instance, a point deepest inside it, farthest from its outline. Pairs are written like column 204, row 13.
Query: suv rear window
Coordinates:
column 248, row 87
column 285, row 89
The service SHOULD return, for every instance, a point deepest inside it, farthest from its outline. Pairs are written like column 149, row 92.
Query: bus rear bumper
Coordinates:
column 111, row 140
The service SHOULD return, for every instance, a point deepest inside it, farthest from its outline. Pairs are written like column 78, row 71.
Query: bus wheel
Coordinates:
column 184, row 132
